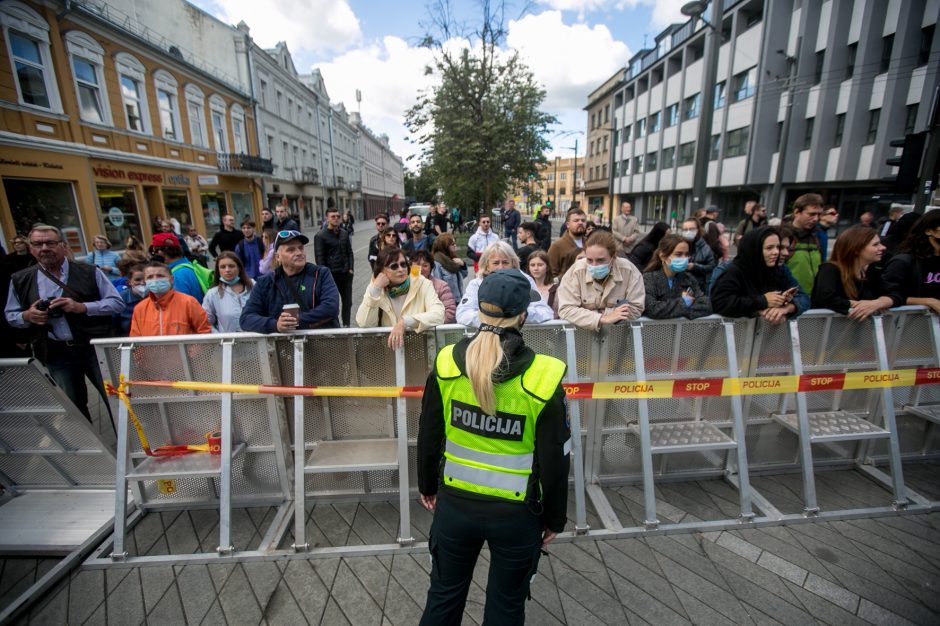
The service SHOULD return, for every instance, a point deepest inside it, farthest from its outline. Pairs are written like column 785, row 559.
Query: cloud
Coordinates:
column 569, row 60
column 306, row 25
column 665, row 12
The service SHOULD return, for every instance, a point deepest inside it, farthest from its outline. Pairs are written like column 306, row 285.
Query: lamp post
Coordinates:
column 695, row 9
column 574, row 181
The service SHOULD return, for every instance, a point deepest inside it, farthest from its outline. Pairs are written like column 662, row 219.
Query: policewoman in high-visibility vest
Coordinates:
column 493, row 449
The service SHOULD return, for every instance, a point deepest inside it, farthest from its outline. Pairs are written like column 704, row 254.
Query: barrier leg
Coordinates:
column 123, row 462
column 300, row 452
column 740, row 430
column 810, row 506
column 646, row 448
column 225, row 477
column 405, row 538
column 577, row 455
column 887, row 405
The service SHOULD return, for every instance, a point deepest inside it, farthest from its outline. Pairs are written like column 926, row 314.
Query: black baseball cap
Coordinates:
column 289, row 235
column 506, row 293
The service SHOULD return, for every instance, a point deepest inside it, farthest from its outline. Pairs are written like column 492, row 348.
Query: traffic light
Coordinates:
column 548, row 203
column 908, row 163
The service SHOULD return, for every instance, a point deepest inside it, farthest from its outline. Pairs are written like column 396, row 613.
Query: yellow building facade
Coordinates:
column 101, row 132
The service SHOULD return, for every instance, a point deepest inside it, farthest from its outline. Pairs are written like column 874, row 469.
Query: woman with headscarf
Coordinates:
column 754, row 283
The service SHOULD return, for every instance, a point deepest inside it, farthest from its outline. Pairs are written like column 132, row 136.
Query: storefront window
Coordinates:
column 241, row 206
column 213, row 207
column 119, row 214
column 176, row 204
column 47, row 202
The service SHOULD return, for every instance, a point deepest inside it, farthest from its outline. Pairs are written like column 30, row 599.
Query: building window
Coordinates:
column 672, row 115
column 874, row 116
column 217, row 117
column 605, row 144
column 48, row 201
column 606, row 113
column 591, row 149
column 131, row 76
column 779, row 136
column 910, row 120
column 654, row 122
column 87, row 69
column 887, row 46
column 627, row 130
column 593, row 121
column 669, row 158
column 238, row 130
column 926, row 42
column 715, row 146
column 808, row 134
column 720, row 95
column 603, row 172
column 264, row 94
column 744, row 84
column 167, row 89
column 638, row 165
column 691, row 106
column 640, row 128
column 737, row 142
column 818, row 72
column 850, row 61
column 840, row 130
column 687, row 153
column 651, row 162
column 111, row 200
column 625, row 167
column 196, row 110
column 27, row 37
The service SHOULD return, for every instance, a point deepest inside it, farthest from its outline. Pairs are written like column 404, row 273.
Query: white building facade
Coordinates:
column 382, row 173
column 863, row 73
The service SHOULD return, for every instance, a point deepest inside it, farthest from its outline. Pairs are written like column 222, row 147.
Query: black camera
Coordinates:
column 43, row 305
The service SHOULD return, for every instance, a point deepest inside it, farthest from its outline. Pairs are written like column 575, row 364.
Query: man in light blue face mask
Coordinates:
column 166, row 311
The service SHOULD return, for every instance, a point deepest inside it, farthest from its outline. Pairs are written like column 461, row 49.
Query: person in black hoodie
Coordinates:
column 498, row 409
column 333, row 250
column 914, row 273
column 754, row 284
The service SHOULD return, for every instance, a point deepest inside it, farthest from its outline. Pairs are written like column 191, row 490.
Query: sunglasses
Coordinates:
column 403, row 265
column 381, row 223
column 285, row 235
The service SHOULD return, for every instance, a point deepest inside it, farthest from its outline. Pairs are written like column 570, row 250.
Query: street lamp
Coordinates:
column 574, row 181
column 695, row 9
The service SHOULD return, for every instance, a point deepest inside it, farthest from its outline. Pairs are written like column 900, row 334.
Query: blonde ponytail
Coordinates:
column 485, row 358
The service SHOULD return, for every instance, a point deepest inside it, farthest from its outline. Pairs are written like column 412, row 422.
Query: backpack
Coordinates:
column 203, row 274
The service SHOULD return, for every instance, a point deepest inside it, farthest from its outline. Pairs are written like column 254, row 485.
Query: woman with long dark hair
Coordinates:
column 754, row 284
column 448, row 266
column 643, row 251
column 671, row 291
column 850, row 283
column 231, row 287
column 914, row 273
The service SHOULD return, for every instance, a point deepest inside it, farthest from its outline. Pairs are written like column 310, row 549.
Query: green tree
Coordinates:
column 481, row 127
column 420, row 185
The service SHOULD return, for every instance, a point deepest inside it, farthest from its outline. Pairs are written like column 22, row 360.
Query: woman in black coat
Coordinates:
column 672, row 291
column 643, row 252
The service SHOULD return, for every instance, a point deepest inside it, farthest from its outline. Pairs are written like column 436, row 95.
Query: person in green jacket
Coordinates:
column 807, row 253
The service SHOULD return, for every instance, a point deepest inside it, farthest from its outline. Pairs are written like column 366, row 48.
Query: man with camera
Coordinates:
column 65, row 305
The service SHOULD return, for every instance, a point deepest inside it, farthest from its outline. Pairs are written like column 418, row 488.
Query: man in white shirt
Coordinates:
column 481, row 240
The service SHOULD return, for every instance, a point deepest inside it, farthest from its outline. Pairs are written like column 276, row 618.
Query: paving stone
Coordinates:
column 871, row 612
column 767, row 602
column 690, row 559
column 114, row 577
column 700, row 613
column 410, row 576
column 351, row 596
column 181, row 536
column 399, row 607
column 782, row 567
column 206, row 522
column 329, row 523
column 326, row 570
column 98, row 617
column 86, row 593
column 861, row 533
column 54, row 609
column 822, row 609
column 264, row 577
column 147, row 531
column 14, row 570
column 644, row 578
column 282, row 608
column 196, row 591
column 705, row 589
column 169, row 609
column 155, row 581
column 334, row 615
column 740, row 547
column 572, row 556
column 386, row 515
column 535, row 613
column 373, row 576
column 586, row 590
column 307, row 589
column 726, row 561
column 647, row 606
column 636, row 549
column 875, row 593
column 576, row 613
column 237, row 600
column 369, row 530
column 544, row 590
column 215, row 616
column 838, row 595
column 220, row 573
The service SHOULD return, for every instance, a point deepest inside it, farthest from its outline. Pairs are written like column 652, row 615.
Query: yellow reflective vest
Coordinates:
column 492, row 454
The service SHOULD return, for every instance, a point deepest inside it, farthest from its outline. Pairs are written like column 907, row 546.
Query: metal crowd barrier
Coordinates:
column 346, row 447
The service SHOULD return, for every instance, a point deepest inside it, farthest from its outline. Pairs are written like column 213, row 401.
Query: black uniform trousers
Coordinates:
column 460, row 526
column 344, row 283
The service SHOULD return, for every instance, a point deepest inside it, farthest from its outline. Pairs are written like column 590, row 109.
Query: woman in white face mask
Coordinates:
column 701, row 258
column 600, row 288
column 671, row 291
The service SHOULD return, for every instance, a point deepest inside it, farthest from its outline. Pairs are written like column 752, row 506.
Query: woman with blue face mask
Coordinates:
column 671, row 290
column 226, row 298
column 600, row 288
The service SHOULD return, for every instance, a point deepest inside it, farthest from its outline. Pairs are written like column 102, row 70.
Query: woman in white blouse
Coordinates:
column 224, row 300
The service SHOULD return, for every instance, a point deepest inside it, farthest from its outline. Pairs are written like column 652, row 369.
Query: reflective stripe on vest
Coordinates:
column 493, row 454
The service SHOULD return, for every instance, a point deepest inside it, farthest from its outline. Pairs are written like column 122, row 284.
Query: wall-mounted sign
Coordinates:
column 116, row 216
column 208, row 180
column 177, row 179
column 44, row 164
column 110, row 172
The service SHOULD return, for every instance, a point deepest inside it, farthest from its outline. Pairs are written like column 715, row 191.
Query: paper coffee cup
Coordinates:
column 292, row 309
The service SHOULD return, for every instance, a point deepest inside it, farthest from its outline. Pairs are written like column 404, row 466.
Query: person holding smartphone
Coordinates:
column 755, row 283
column 671, row 291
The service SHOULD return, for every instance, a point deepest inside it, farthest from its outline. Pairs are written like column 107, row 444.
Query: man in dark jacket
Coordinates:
column 381, row 223
column 284, row 221
column 333, row 251
column 294, row 282
column 543, row 225
column 227, row 238
column 511, row 221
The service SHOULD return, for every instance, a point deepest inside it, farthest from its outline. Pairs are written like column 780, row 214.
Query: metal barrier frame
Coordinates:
column 742, row 360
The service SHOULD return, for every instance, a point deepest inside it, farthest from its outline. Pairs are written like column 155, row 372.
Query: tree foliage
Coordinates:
column 420, row 185
column 481, row 127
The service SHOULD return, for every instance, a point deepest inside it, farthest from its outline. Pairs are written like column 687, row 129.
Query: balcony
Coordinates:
column 354, row 185
column 308, row 175
column 244, row 163
column 340, row 182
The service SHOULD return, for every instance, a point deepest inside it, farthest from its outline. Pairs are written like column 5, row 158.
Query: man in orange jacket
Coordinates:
column 166, row 311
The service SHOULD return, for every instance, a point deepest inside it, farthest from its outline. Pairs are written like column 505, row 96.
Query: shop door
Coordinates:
column 176, row 205
column 119, row 212
column 213, row 208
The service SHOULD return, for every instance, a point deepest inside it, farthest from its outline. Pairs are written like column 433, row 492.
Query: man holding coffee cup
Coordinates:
column 296, row 296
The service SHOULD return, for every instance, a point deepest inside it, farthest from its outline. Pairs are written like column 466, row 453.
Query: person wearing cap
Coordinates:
column 294, row 281
column 492, row 457
column 166, row 246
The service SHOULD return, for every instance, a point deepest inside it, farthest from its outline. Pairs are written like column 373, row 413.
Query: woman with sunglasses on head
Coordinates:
column 399, row 299
column 231, row 287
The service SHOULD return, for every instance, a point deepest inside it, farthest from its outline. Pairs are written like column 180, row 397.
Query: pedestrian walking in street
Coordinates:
column 333, row 250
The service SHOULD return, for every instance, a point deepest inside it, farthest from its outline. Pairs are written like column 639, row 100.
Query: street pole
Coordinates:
column 928, row 176
column 703, row 144
column 555, row 191
column 610, row 174
column 775, row 191
column 574, row 181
